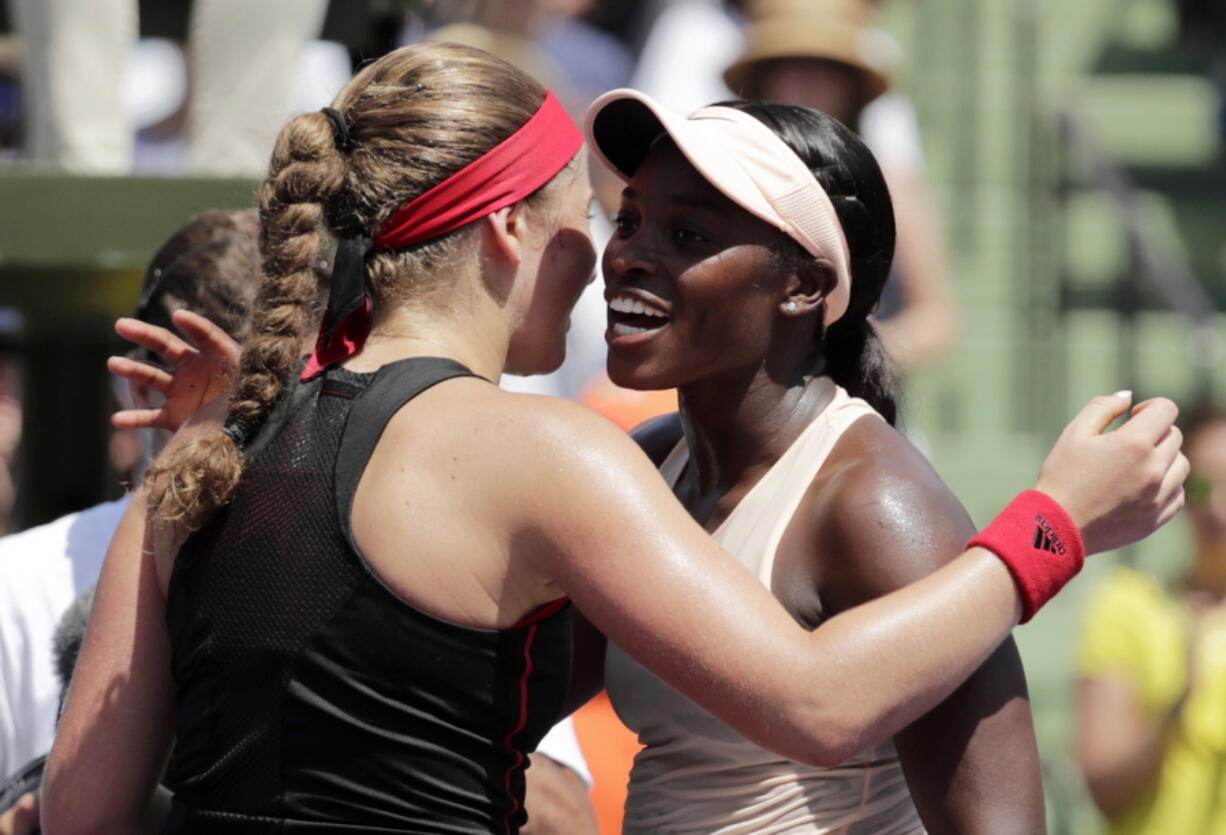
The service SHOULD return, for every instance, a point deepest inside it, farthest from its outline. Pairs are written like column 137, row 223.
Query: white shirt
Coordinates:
column 42, row 570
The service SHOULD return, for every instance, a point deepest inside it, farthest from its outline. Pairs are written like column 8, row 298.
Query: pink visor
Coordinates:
column 741, row 157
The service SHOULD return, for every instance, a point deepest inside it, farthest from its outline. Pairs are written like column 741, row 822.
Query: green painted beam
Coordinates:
column 66, row 223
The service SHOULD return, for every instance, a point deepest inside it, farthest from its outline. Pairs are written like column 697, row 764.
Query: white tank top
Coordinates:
column 696, row 774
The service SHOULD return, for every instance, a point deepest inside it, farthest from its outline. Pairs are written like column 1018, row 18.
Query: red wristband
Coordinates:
column 1039, row 543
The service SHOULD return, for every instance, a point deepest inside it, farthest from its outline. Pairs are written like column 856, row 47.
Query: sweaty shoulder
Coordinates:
column 533, row 440
column 881, row 516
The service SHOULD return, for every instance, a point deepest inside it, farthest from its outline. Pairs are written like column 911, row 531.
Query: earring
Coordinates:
column 790, row 307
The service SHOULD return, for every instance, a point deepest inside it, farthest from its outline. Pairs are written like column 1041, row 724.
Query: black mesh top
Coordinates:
column 310, row 697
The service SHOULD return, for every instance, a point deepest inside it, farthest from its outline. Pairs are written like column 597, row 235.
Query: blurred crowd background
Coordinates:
column 1059, row 172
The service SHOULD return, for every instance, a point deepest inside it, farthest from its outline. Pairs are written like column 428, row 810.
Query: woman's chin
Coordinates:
column 636, row 376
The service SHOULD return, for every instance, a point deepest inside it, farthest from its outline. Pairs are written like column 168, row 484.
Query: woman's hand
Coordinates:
column 201, row 369
column 1119, row 486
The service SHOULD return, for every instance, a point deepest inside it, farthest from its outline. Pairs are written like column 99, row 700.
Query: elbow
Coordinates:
column 822, row 752
column 819, row 739
column 1111, row 803
column 1113, row 785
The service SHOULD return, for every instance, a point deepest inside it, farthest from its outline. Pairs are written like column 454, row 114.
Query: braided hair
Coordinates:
column 412, row 119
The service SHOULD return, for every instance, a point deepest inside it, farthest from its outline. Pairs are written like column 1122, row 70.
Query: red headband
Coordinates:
column 507, row 173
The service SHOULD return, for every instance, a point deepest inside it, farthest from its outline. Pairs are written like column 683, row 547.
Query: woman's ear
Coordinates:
column 807, row 287
column 505, row 233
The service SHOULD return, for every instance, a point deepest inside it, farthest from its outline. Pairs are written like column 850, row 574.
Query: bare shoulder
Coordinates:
column 515, row 439
column 881, row 516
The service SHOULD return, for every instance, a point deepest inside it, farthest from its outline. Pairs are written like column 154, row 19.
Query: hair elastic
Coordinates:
column 340, row 128
column 237, row 429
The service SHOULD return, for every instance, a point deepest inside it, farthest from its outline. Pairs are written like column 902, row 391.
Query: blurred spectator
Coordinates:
column 18, row 795
column 827, row 54
column 689, row 45
column 1152, row 694
column 208, row 266
column 243, row 59
column 591, row 59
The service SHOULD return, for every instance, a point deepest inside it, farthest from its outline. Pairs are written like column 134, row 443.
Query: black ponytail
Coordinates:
column 852, row 353
column 857, row 361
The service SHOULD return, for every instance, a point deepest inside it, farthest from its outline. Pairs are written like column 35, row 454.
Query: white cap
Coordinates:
column 741, row 157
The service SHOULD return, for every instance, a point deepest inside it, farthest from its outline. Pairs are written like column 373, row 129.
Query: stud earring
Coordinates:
column 790, row 307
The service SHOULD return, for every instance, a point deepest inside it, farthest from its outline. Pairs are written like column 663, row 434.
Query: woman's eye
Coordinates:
column 624, row 223
column 688, row 236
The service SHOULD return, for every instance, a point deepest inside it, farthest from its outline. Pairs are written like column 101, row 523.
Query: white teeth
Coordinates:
column 628, row 304
column 622, row 329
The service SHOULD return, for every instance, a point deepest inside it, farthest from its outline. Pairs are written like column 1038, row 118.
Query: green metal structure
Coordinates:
column 72, row 256
column 1074, row 149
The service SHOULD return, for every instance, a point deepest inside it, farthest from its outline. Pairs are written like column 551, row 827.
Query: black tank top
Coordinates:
column 312, row 699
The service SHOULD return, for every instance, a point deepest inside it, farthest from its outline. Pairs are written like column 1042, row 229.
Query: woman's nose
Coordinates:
column 630, row 257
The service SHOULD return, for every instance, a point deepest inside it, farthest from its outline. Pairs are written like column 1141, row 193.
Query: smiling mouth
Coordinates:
column 629, row 315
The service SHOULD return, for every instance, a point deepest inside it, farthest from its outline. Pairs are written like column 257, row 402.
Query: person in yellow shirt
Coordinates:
column 1152, row 691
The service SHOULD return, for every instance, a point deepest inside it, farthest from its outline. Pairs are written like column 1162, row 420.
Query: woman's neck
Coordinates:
column 479, row 342
column 736, row 428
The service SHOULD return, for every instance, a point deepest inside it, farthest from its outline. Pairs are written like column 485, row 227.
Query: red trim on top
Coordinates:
column 541, row 612
column 506, row 174
column 523, row 722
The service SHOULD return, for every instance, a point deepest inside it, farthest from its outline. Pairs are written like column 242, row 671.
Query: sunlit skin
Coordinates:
column 566, row 266
column 683, row 248
column 877, row 517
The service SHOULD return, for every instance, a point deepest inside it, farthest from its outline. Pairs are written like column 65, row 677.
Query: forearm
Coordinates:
column 972, row 764
column 1121, row 748
column 114, row 736
column 1127, row 769
column 900, row 655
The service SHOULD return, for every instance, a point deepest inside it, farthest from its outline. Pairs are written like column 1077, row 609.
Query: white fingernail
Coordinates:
column 1124, row 393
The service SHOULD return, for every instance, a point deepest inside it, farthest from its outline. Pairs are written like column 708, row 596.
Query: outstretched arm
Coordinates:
column 607, row 530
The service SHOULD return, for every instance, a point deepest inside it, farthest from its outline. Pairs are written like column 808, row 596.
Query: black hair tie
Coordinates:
column 238, row 430
column 340, row 128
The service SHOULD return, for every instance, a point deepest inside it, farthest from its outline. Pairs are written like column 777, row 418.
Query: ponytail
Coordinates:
column 307, row 171
column 857, row 361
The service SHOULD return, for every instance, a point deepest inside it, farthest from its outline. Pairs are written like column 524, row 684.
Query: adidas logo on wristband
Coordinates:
column 1045, row 536
column 1039, row 544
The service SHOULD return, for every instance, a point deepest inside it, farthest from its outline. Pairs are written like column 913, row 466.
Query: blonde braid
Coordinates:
column 306, row 174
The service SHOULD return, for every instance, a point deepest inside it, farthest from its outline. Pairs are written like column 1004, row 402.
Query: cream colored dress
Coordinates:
column 697, row 775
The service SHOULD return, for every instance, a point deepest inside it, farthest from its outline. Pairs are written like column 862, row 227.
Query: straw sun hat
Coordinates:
column 834, row 30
